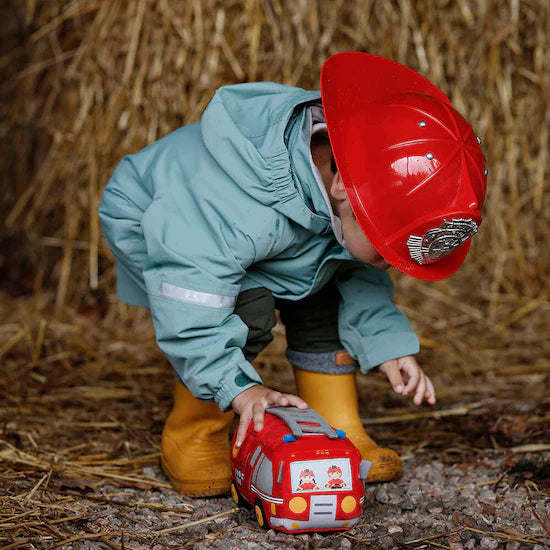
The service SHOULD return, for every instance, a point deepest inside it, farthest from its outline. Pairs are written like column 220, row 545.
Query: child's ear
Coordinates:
column 337, row 189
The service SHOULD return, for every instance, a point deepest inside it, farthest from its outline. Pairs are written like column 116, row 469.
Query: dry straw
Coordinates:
column 86, row 82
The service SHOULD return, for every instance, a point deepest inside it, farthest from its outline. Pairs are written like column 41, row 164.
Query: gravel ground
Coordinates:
column 498, row 502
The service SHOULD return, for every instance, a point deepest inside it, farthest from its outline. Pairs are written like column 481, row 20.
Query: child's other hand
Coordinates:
column 405, row 376
column 251, row 404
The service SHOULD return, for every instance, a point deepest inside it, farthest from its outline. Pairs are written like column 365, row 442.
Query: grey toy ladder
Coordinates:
column 299, row 421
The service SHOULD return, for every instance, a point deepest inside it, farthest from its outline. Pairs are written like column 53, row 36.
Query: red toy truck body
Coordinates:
column 299, row 474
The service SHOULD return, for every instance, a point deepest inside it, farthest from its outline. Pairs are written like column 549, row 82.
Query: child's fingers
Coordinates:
column 277, row 398
column 258, row 409
column 415, row 375
column 241, row 430
column 296, row 401
column 430, row 392
column 420, row 390
column 258, row 412
column 255, row 410
column 392, row 371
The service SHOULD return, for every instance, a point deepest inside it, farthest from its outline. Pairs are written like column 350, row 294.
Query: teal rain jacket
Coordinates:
column 227, row 204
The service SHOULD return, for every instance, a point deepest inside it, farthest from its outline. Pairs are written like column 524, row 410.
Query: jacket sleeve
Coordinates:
column 192, row 281
column 371, row 327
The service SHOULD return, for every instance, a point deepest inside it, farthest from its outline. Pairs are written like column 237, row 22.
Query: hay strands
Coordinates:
column 12, row 455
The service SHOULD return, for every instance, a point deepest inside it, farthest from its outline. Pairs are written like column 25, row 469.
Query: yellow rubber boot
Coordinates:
column 195, row 446
column 334, row 397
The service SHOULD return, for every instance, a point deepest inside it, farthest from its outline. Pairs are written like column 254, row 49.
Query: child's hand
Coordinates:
column 405, row 376
column 251, row 404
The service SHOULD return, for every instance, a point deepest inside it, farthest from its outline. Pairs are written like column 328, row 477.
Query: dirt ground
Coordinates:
column 82, row 409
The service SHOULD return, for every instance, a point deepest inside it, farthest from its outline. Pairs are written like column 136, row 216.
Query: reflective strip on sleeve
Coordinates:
column 193, row 297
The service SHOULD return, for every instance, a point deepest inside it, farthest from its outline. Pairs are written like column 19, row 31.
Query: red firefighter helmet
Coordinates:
column 335, row 470
column 412, row 167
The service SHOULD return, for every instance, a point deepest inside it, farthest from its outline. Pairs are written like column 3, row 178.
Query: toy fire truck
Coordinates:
column 299, row 474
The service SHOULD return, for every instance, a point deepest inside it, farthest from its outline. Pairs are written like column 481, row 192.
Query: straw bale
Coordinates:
column 85, row 82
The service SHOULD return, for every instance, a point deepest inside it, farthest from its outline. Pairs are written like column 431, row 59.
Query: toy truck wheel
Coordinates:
column 236, row 496
column 260, row 516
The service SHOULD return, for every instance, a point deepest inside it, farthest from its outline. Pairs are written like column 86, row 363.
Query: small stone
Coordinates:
column 461, row 519
column 435, row 477
column 151, row 472
column 455, row 543
column 471, row 543
column 369, row 498
column 411, row 531
column 426, row 524
column 396, row 496
column 319, row 541
column 344, row 543
column 488, row 543
column 512, row 545
column 394, row 529
column 221, row 520
column 382, row 495
column 407, row 505
column 386, row 543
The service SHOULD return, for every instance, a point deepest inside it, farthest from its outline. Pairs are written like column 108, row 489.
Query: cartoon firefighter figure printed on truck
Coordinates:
column 299, row 474
column 307, row 481
column 335, row 478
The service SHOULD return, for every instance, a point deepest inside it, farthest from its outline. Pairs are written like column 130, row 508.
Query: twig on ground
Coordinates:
column 537, row 517
column 197, row 522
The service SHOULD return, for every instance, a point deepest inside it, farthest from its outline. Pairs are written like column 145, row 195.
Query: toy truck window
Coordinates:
column 257, row 469
column 280, row 474
column 264, row 475
column 255, row 456
column 331, row 474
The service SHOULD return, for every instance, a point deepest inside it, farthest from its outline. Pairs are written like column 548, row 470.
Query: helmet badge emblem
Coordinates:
column 440, row 241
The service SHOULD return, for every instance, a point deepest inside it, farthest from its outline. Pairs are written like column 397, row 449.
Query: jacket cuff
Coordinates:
column 384, row 347
column 235, row 382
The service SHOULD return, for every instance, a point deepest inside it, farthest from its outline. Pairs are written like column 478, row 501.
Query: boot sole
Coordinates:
column 386, row 465
column 383, row 475
column 197, row 488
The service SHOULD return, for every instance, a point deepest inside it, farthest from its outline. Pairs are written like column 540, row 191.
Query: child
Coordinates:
column 257, row 207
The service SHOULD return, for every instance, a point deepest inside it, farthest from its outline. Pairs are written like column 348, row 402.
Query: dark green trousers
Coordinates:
column 311, row 326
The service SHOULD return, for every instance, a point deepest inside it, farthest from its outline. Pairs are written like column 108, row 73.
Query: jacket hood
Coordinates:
column 259, row 133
